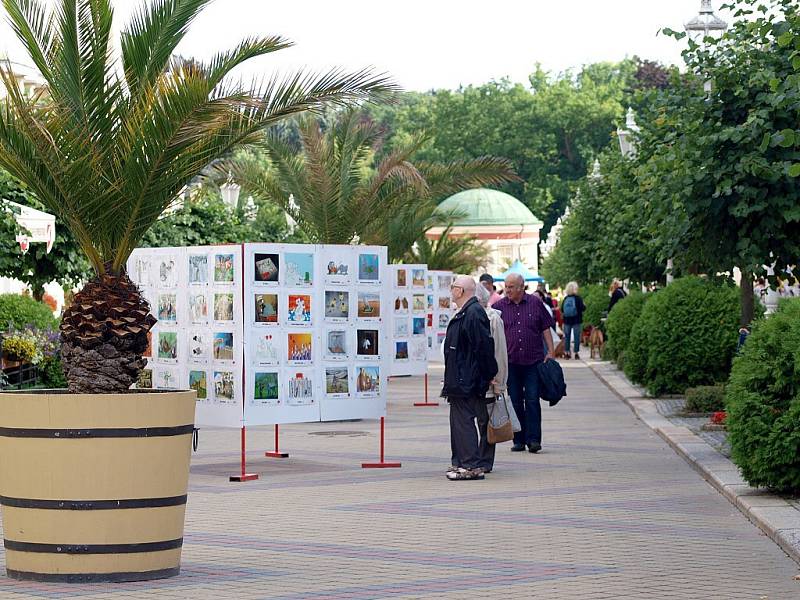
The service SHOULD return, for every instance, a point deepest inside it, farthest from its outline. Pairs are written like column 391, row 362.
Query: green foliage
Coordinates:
column 19, row 348
column 705, row 399
column 685, row 336
column 65, row 263
column 119, row 134
column 620, row 323
column 17, row 312
column 763, row 402
column 457, row 254
column 51, row 373
column 596, row 299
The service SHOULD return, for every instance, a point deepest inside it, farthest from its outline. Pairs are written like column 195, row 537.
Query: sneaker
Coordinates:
column 567, row 356
column 452, row 469
column 534, row 448
column 518, row 448
column 465, row 475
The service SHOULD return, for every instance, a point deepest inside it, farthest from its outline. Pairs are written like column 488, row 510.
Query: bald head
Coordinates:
column 463, row 289
column 515, row 287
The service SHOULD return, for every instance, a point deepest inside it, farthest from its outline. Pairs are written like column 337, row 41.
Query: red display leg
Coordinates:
column 277, row 453
column 244, row 476
column 426, row 403
column 382, row 464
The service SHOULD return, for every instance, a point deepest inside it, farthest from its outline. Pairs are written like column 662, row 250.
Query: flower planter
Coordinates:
column 93, row 486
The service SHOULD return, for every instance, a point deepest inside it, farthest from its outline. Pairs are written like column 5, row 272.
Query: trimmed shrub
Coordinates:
column 20, row 311
column 763, row 402
column 685, row 336
column 619, row 324
column 596, row 299
column 705, row 399
column 51, row 374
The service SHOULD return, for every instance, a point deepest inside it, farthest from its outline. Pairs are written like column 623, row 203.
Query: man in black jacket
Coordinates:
column 469, row 367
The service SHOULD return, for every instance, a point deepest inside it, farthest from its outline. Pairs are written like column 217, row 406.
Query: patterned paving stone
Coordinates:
column 607, row 510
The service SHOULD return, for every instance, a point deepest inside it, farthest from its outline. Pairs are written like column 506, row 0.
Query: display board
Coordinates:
column 440, row 310
column 409, row 320
column 196, row 295
column 276, row 333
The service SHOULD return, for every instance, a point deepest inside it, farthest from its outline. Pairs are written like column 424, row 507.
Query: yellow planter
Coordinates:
column 93, row 486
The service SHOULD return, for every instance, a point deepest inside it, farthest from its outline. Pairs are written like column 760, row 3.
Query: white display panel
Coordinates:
column 196, row 295
column 408, row 320
column 440, row 311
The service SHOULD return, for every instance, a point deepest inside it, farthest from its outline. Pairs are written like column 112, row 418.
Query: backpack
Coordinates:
column 570, row 307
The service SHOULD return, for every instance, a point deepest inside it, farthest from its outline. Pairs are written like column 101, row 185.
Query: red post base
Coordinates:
column 426, row 403
column 276, row 454
column 244, row 477
column 381, row 465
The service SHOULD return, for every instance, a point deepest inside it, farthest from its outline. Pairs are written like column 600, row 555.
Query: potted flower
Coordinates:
column 93, row 480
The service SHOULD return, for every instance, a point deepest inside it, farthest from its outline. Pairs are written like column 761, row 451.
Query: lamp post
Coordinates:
column 705, row 24
column 230, row 192
column 626, row 145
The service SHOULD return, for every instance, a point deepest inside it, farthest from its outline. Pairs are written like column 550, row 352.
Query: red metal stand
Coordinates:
column 277, row 453
column 426, row 403
column 244, row 476
column 382, row 464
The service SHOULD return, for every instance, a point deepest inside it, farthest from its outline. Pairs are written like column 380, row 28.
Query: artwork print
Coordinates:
column 299, row 269
column 141, row 270
column 168, row 345
column 418, row 350
column 198, row 308
column 223, row 346
column 223, row 307
column 369, row 305
column 299, row 348
column 444, row 302
column 418, row 326
column 336, row 381
column 199, row 343
column 167, row 308
column 401, row 350
column 223, row 268
column 167, row 272
column 265, row 386
column 335, row 268
column 368, row 380
column 337, row 305
column 368, row 267
column 402, row 278
column 401, row 328
column 149, row 350
column 198, row 268
column 300, row 389
column 401, row 305
column 266, row 308
column 367, row 342
column 198, row 383
column 336, row 344
column 145, row 380
column 418, row 278
column 166, row 379
column 266, row 350
column 299, row 308
column 223, row 386
column 418, row 303
column 267, row 267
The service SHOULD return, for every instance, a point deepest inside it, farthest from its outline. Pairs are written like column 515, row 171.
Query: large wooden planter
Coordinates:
column 93, row 486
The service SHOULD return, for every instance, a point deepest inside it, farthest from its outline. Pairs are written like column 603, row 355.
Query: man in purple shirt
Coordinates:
column 526, row 322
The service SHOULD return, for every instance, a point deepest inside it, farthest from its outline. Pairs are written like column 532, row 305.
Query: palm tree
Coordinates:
column 449, row 253
column 113, row 139
column 337, row 190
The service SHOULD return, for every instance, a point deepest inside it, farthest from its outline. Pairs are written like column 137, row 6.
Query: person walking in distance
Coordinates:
column 616, row 292
column 572, row 307
column 487, row 282
column 526, row 322
column 498, row 385
column 469, row 368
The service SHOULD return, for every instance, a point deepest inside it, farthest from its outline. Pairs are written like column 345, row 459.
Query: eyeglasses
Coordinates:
column 454, row 286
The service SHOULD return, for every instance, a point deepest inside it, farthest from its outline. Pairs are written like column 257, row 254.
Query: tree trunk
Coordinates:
column 38, row 293
column 747, row 298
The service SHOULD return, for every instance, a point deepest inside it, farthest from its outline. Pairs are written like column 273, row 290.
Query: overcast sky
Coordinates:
column 435, row 43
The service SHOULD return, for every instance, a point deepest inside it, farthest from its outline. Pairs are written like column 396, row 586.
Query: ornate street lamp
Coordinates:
column 230, row 192
column 706, row 22
column 626, row 145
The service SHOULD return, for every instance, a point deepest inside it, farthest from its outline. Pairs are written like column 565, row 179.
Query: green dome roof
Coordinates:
column 483, row 206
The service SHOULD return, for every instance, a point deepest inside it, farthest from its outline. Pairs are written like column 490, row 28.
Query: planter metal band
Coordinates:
column 93, row 577
column 92, row 504
column 92, row 548
column 96, row 433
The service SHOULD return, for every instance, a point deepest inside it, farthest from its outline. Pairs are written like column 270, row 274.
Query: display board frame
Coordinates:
column 409, row 284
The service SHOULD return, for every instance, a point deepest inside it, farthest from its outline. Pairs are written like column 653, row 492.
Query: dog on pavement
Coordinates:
column 596, row 342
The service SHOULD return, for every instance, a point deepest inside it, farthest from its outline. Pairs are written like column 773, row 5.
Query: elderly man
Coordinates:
column 469, row 368
column 526, row 322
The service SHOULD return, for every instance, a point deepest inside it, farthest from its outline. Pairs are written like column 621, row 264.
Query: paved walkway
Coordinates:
column 606, row 511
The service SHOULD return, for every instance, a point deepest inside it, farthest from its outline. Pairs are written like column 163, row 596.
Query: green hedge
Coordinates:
column 620, row 322
column 20, row 311
column 763, row 402
column 705, row 399
column 686, row 336
column 596, row 299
